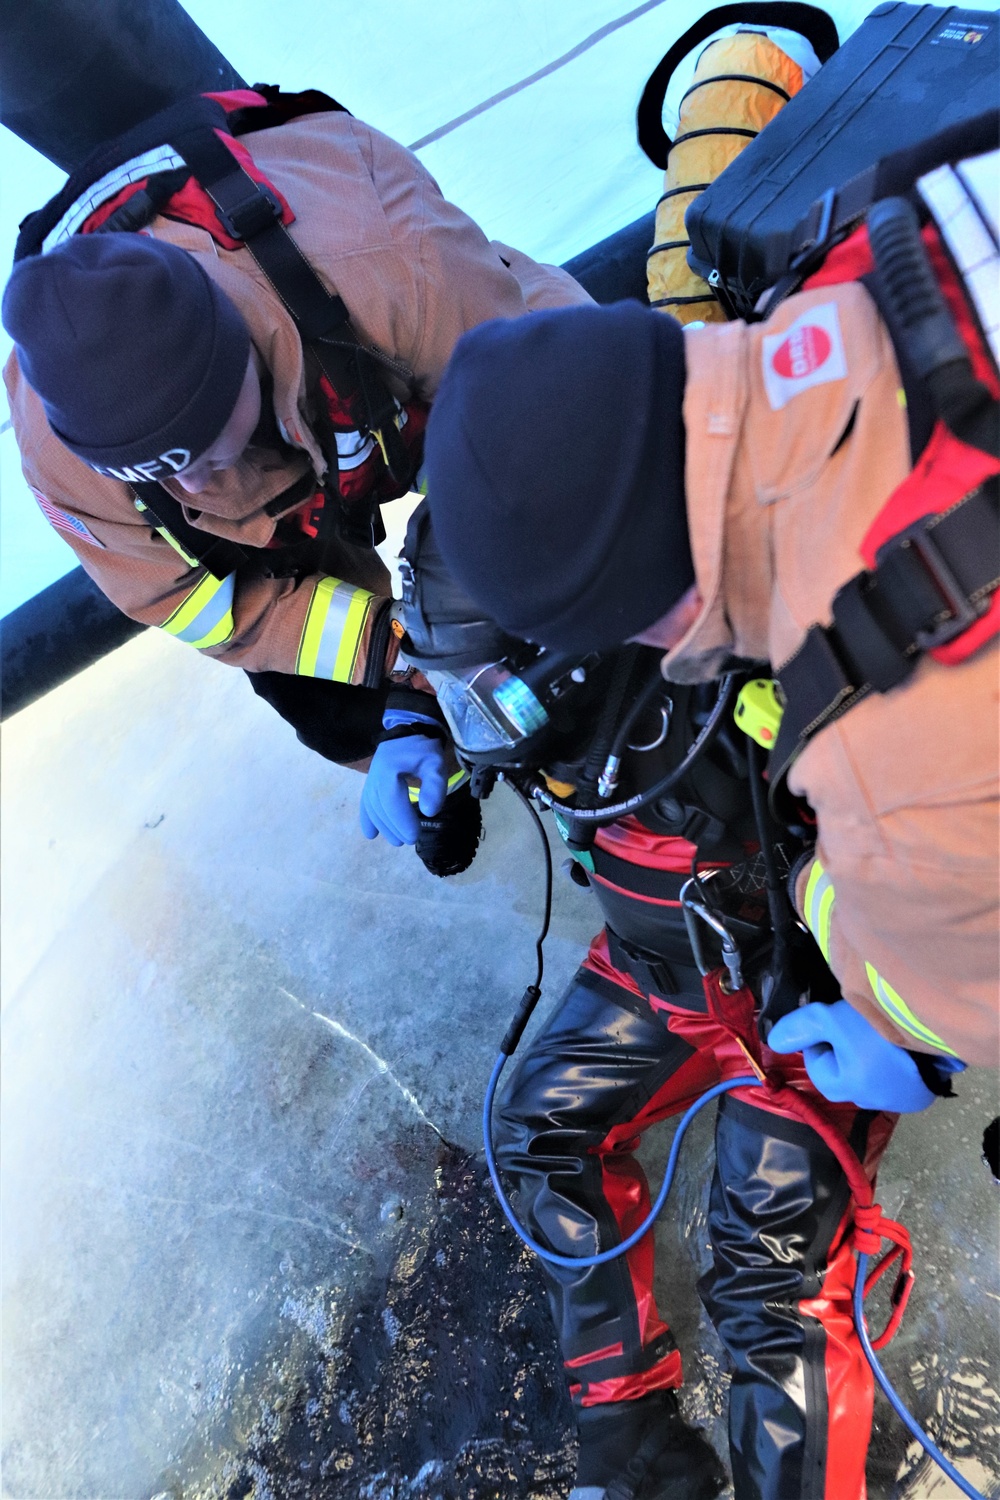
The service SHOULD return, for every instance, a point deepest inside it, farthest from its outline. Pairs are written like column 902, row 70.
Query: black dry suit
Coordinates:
column 632, row 1042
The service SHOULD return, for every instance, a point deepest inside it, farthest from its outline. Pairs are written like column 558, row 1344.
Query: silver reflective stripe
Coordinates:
column 200, row 629
column 965, row 205
column 341, row 622
column 333, row 630
column 353, row 449
column 897, row 1010
column 160, row 159
column 818, row 904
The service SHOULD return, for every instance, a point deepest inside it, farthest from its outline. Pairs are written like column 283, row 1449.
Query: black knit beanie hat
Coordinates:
column 137, row 355
column 555, row 469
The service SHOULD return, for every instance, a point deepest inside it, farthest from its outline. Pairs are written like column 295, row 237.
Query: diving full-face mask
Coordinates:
column 505, row 700
column 559, row 725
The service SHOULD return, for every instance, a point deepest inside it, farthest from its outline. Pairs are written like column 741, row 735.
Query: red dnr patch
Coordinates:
column 803, row 351
column 810, row 352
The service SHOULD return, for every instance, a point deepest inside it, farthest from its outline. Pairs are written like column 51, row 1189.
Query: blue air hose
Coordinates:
column 928, row 1445
column 654, row 1212
column 668, row 1177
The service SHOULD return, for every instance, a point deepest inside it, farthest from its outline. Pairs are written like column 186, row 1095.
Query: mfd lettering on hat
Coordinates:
column 809, row 352
column 149, row 470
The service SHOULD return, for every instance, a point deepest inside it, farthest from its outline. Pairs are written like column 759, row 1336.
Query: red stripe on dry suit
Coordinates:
column 711, row 1040
column 719, row 1055
column 849, row 1382
column 626, row 1193
column 610, row 1352
column 628, row 839
column 667, row 1375
column 632, row 895
column 847, row 1374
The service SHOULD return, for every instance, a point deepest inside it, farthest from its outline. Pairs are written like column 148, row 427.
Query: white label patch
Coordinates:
column 810, row 352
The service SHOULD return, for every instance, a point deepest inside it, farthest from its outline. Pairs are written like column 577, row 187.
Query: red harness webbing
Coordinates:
column 734, row 1013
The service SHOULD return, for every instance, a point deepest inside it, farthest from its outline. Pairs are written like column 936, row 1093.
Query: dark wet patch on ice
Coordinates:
column 443, row 1381
column 424, row 1366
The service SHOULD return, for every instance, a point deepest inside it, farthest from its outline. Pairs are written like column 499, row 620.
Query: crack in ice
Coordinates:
column 380, row 1063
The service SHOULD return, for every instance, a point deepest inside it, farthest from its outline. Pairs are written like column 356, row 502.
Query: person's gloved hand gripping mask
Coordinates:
column 386, row 807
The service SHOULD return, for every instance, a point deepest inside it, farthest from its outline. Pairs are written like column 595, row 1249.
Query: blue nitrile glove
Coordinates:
column 849, row 1061
column 385, row 798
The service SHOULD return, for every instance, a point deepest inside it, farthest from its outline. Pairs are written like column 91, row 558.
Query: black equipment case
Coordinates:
column 906, row 73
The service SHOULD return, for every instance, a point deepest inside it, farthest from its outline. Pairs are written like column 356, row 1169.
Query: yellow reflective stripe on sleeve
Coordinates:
column 205, row 617
column 333, row 631
column 455, row 780
column 818, row 904
column 897, row 1010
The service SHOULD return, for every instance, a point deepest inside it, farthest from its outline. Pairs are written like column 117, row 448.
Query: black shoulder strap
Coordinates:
column 934, row 579
column 153, row 132
column 251, row 213
column 931, row 582
column 218, row 554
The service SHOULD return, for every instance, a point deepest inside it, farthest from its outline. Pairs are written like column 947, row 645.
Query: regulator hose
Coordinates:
column 611, row 813
column 603, row 742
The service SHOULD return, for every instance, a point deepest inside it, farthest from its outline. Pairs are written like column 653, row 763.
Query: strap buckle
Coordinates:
column 651, row 973
column 244, row 207
column 919, row 536
column 361, row 523
column 815, row 241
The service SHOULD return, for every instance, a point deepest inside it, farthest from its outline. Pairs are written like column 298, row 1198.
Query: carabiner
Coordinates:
column 693, row 908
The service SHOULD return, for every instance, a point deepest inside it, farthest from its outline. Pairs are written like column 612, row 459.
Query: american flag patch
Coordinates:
column 64, row 521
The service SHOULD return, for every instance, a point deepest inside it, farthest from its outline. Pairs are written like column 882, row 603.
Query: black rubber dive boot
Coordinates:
column 644, row 1450
column 447, row 843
